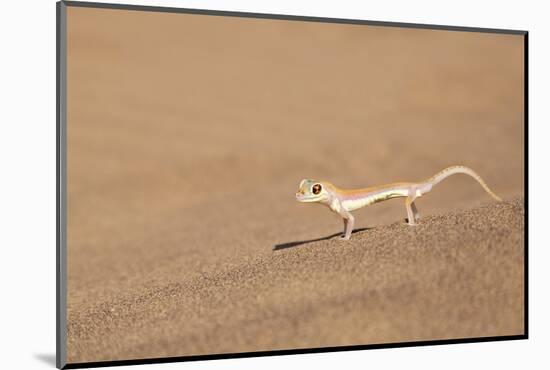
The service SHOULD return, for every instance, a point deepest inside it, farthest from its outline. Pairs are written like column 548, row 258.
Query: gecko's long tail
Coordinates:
column 449, row 171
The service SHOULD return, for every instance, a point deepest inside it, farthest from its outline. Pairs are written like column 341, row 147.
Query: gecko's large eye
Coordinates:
column 316, row 189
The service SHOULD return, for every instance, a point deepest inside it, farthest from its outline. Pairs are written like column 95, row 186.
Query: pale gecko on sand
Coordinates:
column 344, row 201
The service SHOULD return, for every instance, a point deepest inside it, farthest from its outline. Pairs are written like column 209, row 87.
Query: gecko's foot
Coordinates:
column 343, row 237
column 410, row 223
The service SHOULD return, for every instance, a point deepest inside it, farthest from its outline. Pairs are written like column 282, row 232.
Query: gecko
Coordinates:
column 344, row 201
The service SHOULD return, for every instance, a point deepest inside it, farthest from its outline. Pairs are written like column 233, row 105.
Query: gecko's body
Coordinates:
column 343, row 201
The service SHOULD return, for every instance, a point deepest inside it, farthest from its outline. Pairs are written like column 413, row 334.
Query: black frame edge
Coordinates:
column 289, row 352
column 526, row 181
column 61, row 246
column 286, row 17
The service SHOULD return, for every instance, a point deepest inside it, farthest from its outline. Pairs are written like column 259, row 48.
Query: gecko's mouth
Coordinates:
column 304, row 198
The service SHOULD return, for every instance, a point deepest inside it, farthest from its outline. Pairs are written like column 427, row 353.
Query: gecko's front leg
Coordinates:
column 349, row 221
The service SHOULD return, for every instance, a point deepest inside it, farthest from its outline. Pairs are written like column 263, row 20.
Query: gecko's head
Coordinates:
column 313, row 191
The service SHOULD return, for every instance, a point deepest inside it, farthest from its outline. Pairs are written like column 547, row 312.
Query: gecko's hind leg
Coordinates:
column 412, row 212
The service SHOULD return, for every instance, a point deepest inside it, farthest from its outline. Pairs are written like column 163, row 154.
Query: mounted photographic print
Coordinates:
column 235, row 184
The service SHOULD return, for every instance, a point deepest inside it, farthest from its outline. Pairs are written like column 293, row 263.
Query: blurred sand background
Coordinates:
column 188, row 136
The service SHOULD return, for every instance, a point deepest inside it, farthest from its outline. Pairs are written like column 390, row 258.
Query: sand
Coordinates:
column 188, row 136
column 457, row 275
